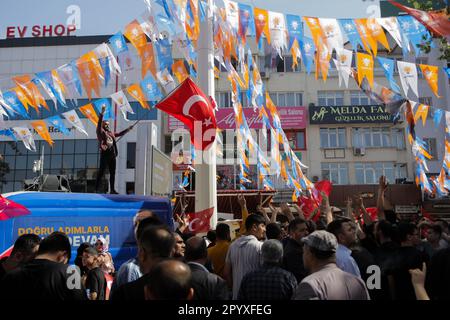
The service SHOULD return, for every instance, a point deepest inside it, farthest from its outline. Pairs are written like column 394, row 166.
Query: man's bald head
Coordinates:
column 169, row 280
column 196, row 249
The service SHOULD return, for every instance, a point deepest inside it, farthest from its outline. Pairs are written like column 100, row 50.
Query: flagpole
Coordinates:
column 205, row 167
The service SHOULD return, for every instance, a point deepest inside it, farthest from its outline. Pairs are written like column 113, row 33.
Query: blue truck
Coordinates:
column 83, row 217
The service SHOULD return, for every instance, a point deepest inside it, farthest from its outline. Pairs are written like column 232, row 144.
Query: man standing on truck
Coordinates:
column 108, row 151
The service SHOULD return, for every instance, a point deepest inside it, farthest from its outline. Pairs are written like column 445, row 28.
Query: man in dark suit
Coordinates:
column 108, row 151
column 207, row 286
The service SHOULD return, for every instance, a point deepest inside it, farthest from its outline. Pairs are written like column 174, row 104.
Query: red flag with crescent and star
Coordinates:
column 10, row 209
column 191, row 106
column 199, row 221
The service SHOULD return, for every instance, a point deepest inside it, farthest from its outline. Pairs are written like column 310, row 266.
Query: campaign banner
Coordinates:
column 291, row 118
column 348, row 114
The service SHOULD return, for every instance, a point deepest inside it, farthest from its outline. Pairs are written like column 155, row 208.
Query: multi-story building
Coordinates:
column 76, row 155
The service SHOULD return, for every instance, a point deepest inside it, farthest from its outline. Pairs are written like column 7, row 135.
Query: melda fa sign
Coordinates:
column 348, row 114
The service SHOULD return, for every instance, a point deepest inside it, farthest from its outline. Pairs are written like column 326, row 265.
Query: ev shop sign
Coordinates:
column 348, row 114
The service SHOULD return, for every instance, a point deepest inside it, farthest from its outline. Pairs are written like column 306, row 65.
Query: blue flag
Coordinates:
column 163, row 3
column 348, row 26
column 412, row 31
column 57, row 122
column 47, row 79
column 164, row 24
column 104, row 62
column 75, row 81
column 447, row 71
column 151, row 89
column 13, row 101
column 164, row 52
column 388, row 68
column 307, row 49
column 192, row 71
column 109, row 113
column 246, row 20
column 203, row 6
column 118, row 43
column 8, row 133
column 437, row 116
column 295, row 29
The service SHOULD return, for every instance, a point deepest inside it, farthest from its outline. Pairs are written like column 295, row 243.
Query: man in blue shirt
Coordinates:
column 345, row 233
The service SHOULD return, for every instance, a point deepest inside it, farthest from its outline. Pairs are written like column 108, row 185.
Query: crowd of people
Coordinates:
column 278, row 254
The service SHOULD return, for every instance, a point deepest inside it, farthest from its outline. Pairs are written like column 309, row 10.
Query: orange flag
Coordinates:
column 316, row 30
column 148, row 60
column 42, row 130
column 377, row 33
column 89, row 112
column 136, row 92
column 323, row 56
column 196, row 23
column 31, row 91
column 261, row 23
column 295, row 51
column 421, row 112
column 134, row 33
column 58, row 82
column 90, row 70
column 22, row 97
column 365, row 67
column 270, row 105
column 430, row 73
column 366, row 37
column 179, row 70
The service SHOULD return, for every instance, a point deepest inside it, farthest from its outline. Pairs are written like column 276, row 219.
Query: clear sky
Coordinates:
column 99, row 17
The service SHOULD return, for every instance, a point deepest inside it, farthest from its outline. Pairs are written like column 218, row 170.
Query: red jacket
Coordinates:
column 102, row 135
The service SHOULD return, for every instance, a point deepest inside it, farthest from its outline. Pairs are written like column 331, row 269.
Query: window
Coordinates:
column 358, row 98
column 337, row 173
column 285, row 64
column 69, row 157
column 369, row 173
column 332, row 138
column 378, row 138
column 287, row 99
column 431, row 147
column 297, row 139
column 131, row 155
column 330, row 98
column 129, row 187
column 224, row 99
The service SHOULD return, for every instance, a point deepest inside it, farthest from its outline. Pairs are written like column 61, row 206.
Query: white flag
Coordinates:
column 121, row 100
column 232, row 12
column 277, row 28
column 343, row 65
column 166, row 81
column 27, row 138
column 408, row 77
column 103, row 51
column 5, row 105
column 333, row 33
column 391, row 26
column 74, row 120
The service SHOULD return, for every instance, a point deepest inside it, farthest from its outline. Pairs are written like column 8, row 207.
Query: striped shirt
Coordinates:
column 244, row 255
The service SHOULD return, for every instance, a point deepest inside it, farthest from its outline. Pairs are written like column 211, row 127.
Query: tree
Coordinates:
column 429, row 5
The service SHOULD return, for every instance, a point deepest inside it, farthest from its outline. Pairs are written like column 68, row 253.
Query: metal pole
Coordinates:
column 205, row 176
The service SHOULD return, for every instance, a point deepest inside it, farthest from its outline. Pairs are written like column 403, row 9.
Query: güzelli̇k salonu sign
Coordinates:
column 348, row 114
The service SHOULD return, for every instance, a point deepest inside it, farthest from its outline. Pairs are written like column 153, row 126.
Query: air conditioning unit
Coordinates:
column 264, row 75
column 359, row 152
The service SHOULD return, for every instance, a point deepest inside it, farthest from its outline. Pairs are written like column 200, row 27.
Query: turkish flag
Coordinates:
column 10, row 209
column 310, row 204
column 435, row 21
column 191, row 106
column 199, row 221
